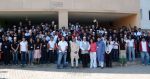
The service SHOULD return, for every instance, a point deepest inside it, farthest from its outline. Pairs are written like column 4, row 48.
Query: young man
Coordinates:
column 100, row 52
column 144, row 51
column 23, row 51
column 62, row 47
column 74, row 52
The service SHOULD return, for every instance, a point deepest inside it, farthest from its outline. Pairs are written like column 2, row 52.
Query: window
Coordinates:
column 141, row 13
column 149, row 15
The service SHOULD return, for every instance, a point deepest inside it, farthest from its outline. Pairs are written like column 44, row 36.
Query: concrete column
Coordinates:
column 63, row 19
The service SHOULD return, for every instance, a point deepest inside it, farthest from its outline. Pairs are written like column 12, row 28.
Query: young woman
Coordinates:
column 37, row 53
column 30, row 50
column 109, row 54
column 93, row 47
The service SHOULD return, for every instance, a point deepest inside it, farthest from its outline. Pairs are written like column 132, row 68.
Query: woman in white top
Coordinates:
column 109, row 48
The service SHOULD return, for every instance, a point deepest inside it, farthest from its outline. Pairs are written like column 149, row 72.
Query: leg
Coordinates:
column 142, row 57
column 94, row 60
column 59, row 59
column 133, row 54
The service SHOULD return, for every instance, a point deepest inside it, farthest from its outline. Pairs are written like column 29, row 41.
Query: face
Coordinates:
column 63, row 38
column 23, row 39
column 91, row 40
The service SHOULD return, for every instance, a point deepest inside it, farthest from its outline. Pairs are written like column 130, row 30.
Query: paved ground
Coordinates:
column 50, row 72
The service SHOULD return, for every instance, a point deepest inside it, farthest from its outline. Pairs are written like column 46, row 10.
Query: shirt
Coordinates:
column 23, row 46
column 62, row 45
column 93, row 47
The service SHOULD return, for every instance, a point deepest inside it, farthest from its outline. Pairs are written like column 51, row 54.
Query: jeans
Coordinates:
column 93, row 62
column 115, row 54
column 30, row 55
column 15, row 57
column 23, row 58
column 145, row 58
column 61, row 55
column 131, row 52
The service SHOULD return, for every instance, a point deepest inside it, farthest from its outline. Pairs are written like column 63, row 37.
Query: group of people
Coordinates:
column 92, row 46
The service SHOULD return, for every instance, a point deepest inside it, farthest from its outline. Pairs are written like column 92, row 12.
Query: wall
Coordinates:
column 145, row 8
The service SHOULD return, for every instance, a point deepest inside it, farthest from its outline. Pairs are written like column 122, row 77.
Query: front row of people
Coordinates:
column 97, row 53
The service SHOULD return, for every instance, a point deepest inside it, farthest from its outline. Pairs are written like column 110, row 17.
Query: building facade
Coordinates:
column 117, row 12
column 145, row 14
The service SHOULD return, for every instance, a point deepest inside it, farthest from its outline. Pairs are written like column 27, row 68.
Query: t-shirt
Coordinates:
column 62, row 45
column 130, row 43
column 51, row 44
column 23, row 45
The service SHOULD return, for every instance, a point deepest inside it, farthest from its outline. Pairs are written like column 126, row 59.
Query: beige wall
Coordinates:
column 125, row 6
column 131, row 20
column 111, row 6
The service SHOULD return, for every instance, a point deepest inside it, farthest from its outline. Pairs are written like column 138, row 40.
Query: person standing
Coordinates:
column 23, row 51
column 15, row 47
column 85, row 47
column 37, row 53
column 44, row 51
column 122, row 55
column 109, row 48
column 131, row 49
column 74, row 52
column 144, row 51
column 51, row 53
column 100, row 52
column 31, row 51
column 62, row 53
column 93, row 48
column 6, row 50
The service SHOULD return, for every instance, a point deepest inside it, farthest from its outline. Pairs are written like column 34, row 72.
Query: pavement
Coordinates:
column 49, row 71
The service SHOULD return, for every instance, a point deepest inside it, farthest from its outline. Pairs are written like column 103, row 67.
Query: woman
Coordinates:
column 31, row 50
column 44, row 51
column 93, row 49
column 37, row 53
column 108, row 54
column 15, row 47
column 122, row 55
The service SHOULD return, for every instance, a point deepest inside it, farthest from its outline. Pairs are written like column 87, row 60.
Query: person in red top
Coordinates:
column 144, row 51
column 93, row 63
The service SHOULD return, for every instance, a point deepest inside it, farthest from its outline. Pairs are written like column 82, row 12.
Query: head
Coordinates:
column 84, row 38
column 15, row 39
column 38, row 40
column 23, row 39
column 51, row 38
column 74, row 39
column 143, row 39
column 91, row 40
column 63, row 38
column 31, row 40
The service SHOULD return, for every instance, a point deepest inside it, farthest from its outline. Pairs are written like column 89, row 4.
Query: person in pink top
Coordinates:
column 93, row 63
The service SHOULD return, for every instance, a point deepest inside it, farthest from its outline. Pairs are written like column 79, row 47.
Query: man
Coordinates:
column 62, row 53
column 6, row 50
column 85, row 47
column 74, row 52
column 14, row 47
column 23, row 51
column 100, row 52
column 144, row 51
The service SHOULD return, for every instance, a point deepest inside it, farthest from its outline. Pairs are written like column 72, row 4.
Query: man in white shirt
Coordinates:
column 62, row 53
column 23, row 50
column 131, row 49
column 144, row 51
column 85, row 47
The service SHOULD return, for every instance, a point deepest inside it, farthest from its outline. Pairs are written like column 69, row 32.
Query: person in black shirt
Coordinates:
column 44, row 51
column 30, row 51
column 6, row 50
column 14, row 47
column 37, row 53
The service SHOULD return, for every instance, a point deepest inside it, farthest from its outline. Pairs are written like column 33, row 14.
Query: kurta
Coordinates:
column 100, row 50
